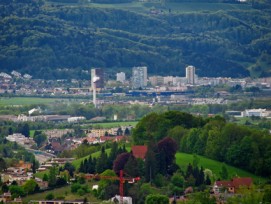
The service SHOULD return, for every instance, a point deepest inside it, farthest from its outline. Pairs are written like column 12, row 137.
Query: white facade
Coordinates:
column 126, row 200
column 121, row 77
column 156, row 80
column 168, row 80
column 139, row 78
column 16, row 74
column 76, row 119
column 190, row 74
column 255, row 112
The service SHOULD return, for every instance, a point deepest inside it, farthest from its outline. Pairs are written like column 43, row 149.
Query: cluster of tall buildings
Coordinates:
column 139, row 77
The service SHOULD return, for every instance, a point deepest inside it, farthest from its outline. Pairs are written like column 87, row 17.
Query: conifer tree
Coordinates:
column 113, row 154
column 201, row 176
column 131, row 167
column 189, row 171
column 90, row 166
column 101, row 164
column 208, row 180
column 151, row 164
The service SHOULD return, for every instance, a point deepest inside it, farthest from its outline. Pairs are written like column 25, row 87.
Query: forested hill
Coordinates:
column 221, row 39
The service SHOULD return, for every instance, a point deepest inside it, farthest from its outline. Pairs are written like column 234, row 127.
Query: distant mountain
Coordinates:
column 219, row 39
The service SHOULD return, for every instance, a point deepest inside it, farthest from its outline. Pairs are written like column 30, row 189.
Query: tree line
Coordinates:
column 237, row 145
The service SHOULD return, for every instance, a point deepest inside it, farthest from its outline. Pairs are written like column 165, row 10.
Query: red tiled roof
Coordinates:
column 235, row 182
column 56, row 146
column 224, row 183
column 139, row 151
column 115, row 138
column 238, row 182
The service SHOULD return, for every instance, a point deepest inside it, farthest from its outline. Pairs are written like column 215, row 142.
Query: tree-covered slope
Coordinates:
column 38, row 37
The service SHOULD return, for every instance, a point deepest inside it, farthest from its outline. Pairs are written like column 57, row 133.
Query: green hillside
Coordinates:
column 183, row 159
column 221, row 39
column 77, row 162
column 60, row 193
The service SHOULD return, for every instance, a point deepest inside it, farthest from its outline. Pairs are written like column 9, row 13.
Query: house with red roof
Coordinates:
column 232, row 186
column 139, row 151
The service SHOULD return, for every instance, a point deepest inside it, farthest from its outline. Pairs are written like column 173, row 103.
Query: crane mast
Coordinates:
column 121, row 180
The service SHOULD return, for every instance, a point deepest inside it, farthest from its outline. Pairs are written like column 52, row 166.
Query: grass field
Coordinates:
column 114, row 124
column 29, row 100
column 77, row 162
column 183, row 160
column 60, row 193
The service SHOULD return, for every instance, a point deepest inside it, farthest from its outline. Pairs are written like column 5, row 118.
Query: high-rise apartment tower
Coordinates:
column 190, row 74
column 139, row 77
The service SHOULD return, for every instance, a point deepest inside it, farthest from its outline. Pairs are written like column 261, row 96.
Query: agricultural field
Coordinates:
column 17, row 101
column 114, row 124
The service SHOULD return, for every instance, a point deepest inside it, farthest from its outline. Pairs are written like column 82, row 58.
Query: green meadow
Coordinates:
column 183, row 159
column 60, row 193
column 114, row 124
column 29, row 100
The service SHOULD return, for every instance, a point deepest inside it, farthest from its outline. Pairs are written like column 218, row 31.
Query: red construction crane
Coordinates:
column 120, row 178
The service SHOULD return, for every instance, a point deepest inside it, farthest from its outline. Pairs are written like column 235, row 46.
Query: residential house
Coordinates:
column 5, row 197
column 139, row 151
column 232, row 186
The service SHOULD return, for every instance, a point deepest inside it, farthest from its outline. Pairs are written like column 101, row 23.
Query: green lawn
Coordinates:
column 60, row 193
column 29, row 100
column 114, row 124
column 32, row 133
column 183, row 160
column 77, row 162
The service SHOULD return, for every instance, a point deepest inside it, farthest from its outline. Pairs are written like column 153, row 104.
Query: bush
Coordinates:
column 81, row 192
column 156, row 199
column 75, row 187
column 50, row 196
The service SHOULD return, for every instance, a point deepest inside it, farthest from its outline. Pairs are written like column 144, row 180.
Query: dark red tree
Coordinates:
column 167, row 149
column 120, row 162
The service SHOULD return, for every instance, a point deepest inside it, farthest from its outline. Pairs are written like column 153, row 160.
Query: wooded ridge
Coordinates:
column 38, row 37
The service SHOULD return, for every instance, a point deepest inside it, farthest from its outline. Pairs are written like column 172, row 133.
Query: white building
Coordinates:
column 139, row 77
column 255, row 112
column 76, row 119
column 178, row 81
column 168, row 80
column 20, row 139
column 16, row 74
column 5, row 75
column 156, row 80
column 121, row 77
column 126, row 200
column 27, row 76
column 190, row 74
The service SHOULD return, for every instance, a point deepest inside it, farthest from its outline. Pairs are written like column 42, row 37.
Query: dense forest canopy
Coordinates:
column 37, row 37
